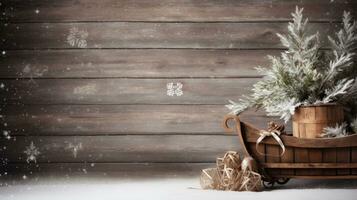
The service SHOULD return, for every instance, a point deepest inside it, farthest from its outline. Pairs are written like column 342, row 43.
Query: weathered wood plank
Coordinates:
column 315, row 156
column 172, row 10
column 353, row 159
column 288, row 157
column 258, row 151
column 119, row 119
column 117, row 170
column 124, row 148
column 343, row 156
column 123, row 91
column 148, row 35
column 272, row 156
column 329, row 156
column 301, row 156
column 348, row 141
column 311, row 165
column 133, row 63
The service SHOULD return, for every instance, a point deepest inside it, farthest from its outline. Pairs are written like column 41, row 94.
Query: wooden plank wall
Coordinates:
column 86, row 80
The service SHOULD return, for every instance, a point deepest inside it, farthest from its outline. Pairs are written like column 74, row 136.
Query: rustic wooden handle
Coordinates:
column 226, row 120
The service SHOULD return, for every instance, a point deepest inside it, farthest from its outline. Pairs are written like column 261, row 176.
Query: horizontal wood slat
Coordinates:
column 133, row 63
column 325, row 177
column 306, row 143
column 310, row 165
column 119, row 119
column 172, row 10
column 122, row 91
column 133, row 148
column 148, row 35
column 115, row 170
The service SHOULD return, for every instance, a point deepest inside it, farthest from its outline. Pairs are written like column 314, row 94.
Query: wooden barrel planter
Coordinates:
column 309, row 121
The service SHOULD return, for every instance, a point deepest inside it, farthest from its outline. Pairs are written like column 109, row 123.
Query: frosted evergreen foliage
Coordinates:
column 337, row 131
column 303, row 75
column 354, row 125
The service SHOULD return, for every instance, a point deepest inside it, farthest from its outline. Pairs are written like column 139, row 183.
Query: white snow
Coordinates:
column 101, row 187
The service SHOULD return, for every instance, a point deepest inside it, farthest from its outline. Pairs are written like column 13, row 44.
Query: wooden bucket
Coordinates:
column 309, row 121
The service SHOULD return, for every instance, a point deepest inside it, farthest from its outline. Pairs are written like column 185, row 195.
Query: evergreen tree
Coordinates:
column 304, row 75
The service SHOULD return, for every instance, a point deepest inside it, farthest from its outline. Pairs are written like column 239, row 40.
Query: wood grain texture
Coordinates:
column 311, row 120
column 315, row 156
column 149, row 35
column 288, row 157
column 347, row 141
column 122, row 91
column 172, row 10
column 304, row 160
column 343, row 155
column 107, row 90
column 301, row 156
column 119, row 119
column 135, row 63
column 329, row 156
column 125, row 148
column 314, row 165
column 272, row 155
column 114, row 170
column 259, row 151
column 353, row 159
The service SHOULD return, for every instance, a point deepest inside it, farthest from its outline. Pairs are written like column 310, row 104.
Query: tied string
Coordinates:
column 231, row 173
column 274, row 130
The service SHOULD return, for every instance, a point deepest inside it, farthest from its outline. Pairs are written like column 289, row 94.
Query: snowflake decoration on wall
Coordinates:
column 174, row 89
column 33, row 71
column 77, row 38
column 32, row 152
column 74, row 148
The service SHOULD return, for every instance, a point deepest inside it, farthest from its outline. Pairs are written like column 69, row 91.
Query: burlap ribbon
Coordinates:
column 231, row 173
column 274, row 130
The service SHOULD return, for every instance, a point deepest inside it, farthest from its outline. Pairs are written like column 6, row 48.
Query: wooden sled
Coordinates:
column 334, row 158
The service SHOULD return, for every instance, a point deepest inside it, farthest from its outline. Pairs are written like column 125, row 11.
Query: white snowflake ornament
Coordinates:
column 74, row 148
column 77, row 38
column 174, row 89
column 32, row 152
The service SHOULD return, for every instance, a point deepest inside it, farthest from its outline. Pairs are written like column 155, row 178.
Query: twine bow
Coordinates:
column 274, row 130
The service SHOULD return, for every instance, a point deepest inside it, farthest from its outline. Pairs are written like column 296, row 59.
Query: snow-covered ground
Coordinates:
column 91, row 186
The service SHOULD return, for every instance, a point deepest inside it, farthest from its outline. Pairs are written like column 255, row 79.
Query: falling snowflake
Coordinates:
column 77, row 38
column 3, row 52
column 6, row 134
column 2, row 85
column 74, row 148
column 32, row 152
column 37, row 11
column 34, row 72
column 174, row 89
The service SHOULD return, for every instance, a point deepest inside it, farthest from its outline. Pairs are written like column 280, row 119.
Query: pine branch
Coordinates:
column 354, row 125
column 341, row 88
column 337, row 131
